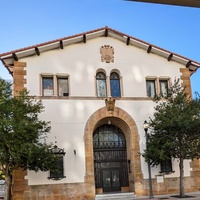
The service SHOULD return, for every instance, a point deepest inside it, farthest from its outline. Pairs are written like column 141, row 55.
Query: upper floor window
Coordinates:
column 157, row 86
column 163, row 87
column 101, row 84
column 151, row 88
column 115, row 85
column 47, row 86
column 62, row 84
column 57, row 85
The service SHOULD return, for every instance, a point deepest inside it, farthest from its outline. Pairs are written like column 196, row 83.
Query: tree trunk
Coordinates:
column 181, row 167
column 8, row 184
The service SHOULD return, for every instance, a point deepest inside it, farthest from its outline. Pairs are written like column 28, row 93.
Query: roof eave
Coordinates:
column 8, row 58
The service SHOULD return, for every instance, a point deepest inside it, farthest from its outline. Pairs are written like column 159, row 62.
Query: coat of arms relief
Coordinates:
column 107, row 53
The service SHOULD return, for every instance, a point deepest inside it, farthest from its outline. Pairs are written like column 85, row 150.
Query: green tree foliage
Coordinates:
column 22, row 134
column 2, row 176
column 174, row 130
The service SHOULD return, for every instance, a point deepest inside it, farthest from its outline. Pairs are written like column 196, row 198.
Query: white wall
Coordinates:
column 81, row 61
column 68, row 117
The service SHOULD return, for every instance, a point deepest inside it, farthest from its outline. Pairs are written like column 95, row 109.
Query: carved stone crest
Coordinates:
column 107, row 53
column 110, row 104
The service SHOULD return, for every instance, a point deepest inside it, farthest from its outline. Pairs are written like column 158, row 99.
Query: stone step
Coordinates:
column 116, row 196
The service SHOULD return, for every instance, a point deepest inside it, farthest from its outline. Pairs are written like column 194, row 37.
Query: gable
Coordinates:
column 8, row 58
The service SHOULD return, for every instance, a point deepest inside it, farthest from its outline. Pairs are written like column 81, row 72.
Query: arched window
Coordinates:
column 101, row 84
column 115, row 85
column 109, row 136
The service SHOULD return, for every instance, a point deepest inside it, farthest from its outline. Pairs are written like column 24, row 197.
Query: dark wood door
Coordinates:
column 111, row 180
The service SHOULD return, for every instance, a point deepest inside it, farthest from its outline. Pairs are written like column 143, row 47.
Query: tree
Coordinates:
column 175, row 130
column 21, row 135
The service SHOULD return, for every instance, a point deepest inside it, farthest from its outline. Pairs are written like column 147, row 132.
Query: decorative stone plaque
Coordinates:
column 110, row 104
column 160, row 179
column 107, row 53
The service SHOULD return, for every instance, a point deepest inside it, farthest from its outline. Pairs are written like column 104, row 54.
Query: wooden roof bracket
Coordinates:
column 149, row 49
column 37, row 51
column 188, row 64
column 84, row 38
column 61, row 44
column 15, row 56
column 170, row 57
column 128, row 41
column 106, row 32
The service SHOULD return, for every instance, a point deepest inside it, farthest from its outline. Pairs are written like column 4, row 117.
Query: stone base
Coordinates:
column 99, row 191
column 86, row 191
column 125, row 189
column 73, row 191
column 169, row 186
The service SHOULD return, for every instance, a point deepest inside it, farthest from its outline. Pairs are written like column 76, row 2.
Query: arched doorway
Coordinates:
column 125, row 122
column 110, row 158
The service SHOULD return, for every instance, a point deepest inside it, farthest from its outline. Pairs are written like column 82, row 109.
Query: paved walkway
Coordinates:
column 189, row 196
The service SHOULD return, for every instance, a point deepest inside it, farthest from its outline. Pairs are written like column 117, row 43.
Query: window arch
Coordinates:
column 109, row 136
column 101, row 84
column 115, row 84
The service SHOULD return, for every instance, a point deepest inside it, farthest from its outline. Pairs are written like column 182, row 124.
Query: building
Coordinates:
column 190, row 3
column 97, row 90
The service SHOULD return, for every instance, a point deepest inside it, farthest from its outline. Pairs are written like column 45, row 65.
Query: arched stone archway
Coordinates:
column 126, row 123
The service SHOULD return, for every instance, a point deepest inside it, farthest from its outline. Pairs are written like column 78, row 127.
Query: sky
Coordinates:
column 174, row 28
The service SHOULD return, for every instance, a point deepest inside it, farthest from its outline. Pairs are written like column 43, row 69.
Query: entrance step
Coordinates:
column 116, row 196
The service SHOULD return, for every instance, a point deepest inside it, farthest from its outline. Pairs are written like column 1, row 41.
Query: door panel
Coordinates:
column 115, row 178
column 106, row 179
column 111, row 180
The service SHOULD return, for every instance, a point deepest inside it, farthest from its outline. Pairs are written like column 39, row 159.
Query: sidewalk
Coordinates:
column 189, row 196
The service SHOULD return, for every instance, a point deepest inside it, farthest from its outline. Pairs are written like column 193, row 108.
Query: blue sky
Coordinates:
column 175, row 28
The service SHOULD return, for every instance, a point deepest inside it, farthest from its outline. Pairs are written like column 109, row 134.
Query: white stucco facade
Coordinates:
column 68, row 117
column 81, row 62
column 135, row 62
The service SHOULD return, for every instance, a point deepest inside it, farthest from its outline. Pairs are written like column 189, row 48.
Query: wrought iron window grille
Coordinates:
column 58, row 173
column 166, row 167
